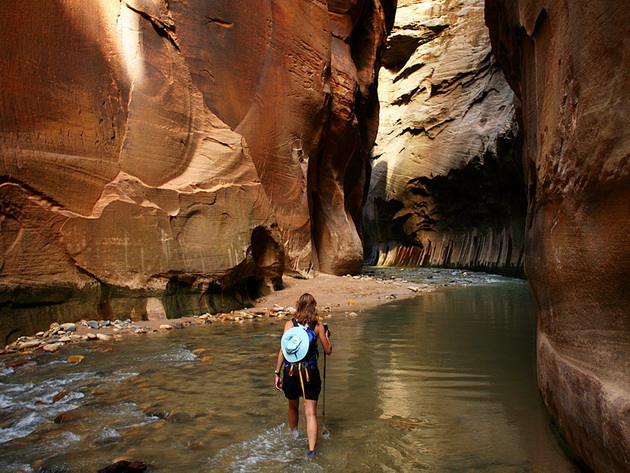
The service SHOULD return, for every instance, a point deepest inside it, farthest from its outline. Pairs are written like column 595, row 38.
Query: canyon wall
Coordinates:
column 447, row 186
column 163, row 158
column 568, row 61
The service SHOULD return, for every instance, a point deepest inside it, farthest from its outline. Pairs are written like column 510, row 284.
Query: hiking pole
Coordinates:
column 324, row 397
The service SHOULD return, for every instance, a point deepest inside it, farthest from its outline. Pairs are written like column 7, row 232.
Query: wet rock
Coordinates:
column 69, row 327
column 166, row 327
column 51, row 347
column 180, row 418
column 125, row 466
column 91, row 336
column 59, row 396
column 93, row 324
column 68, row 417
column 29, row 344
column 157, row 413
column 103, row 337
column 17, row 363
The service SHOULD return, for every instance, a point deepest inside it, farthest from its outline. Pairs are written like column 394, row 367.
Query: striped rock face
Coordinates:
column 169, row 149
column 568, row 63
column 447, row 186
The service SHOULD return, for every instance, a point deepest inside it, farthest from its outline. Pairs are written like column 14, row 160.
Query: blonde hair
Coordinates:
column 306, row 310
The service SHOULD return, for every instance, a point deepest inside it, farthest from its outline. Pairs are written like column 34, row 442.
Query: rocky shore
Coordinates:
column 339, row 295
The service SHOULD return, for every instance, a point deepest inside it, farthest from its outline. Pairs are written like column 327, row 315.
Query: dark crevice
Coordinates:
column 216, row 21
column 162, row 28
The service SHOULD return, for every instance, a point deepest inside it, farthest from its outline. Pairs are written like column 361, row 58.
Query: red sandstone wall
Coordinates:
column 203, row 143
column 568, row 61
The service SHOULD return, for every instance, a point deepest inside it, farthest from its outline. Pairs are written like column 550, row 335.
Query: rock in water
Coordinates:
column 160, row 166
column 447, row 186
column 568, row 61
column 125, row 466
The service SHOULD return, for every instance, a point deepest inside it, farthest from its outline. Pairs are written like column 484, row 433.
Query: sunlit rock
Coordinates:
column 181, row 151
column 567, row 60
column 446, row 186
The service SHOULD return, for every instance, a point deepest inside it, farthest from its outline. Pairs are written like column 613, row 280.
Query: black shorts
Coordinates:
column 293, row 388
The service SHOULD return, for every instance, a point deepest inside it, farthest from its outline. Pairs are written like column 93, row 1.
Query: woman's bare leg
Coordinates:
column 294, row 414
column 310, row 410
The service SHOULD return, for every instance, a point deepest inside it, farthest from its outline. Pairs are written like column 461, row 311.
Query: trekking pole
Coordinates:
column 324, row 398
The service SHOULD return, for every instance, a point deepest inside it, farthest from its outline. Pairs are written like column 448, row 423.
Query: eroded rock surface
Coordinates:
column 447, row 186
column 179, row 151
column 568, row 62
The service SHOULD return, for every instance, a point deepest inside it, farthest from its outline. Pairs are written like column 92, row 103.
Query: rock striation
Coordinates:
column 568, row 63
column 446, row 186
column 175, row 157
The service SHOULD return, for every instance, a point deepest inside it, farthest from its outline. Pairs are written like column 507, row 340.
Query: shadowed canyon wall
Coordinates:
column 447, row 186
column 568, row 61
column 163, row 157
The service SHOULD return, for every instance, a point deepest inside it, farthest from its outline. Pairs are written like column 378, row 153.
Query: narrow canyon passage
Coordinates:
column 444, row 382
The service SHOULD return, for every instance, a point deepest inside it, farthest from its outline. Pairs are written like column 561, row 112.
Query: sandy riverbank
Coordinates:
column 339, row 295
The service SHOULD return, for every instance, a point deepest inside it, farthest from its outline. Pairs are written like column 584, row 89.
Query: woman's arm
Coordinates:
column 323, row 337
column 280, row 362
column 278, row 372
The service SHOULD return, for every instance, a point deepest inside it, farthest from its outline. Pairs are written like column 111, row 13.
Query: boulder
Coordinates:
column 447, row 186
column 568, row 62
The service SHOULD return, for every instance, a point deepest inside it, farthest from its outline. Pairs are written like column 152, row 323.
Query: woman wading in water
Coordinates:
column 296, row 372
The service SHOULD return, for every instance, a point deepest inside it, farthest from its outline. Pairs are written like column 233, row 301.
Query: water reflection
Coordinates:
column 444, row 383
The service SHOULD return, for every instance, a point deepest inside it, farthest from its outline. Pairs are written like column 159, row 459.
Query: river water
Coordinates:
column 444, row 382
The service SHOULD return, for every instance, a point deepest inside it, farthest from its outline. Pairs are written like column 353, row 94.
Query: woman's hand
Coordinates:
column 278, row 382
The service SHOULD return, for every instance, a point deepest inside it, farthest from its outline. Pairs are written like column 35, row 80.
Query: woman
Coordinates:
column 302, row 378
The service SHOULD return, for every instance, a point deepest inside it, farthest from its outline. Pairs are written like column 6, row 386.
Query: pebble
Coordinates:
column 75, row 358
column 103, row 337
column 29, row 344
column 166, row 327
column 93, row 324
column 90, row 336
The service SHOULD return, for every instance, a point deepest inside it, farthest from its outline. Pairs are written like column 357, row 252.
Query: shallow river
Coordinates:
column 444, row 382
